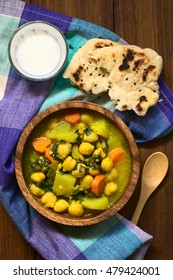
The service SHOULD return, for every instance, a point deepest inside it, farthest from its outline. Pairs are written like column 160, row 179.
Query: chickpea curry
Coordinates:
column 77, row 163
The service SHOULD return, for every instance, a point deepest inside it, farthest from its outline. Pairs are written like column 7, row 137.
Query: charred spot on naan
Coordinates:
column 129, row 56
column 90, row 79
column 149, row 69
column 77, row 74
column 102, row 44
column 139, row 105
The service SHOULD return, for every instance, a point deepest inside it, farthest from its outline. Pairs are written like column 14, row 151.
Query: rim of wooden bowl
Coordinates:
column 51, row 214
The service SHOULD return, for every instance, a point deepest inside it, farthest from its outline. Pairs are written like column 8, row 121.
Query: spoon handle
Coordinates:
column 138, row 210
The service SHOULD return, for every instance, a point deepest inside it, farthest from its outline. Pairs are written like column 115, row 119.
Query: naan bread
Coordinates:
column 133, row 76
column 83, row 71
column 127, row 73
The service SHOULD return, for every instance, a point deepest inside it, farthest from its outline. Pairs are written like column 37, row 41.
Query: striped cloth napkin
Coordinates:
column 20, row 100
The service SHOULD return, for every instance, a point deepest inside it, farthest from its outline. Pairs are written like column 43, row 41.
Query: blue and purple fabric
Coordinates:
column 21, row 100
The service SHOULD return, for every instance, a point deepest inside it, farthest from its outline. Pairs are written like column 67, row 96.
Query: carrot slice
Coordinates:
column 48, row 155
column 72, row 118
column 116, row 154
column 39, row 144
column 98, row 184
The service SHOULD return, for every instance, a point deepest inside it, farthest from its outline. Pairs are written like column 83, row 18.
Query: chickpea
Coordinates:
column 113, row 175
column 86, row 182
column 75, row 209
column 79, row 171
column 61, row 205
column 49, row 199
column 36, row 190
column 90, row 136
column 64, row 149
column 110, row 188
column 86, row 148
column 107, row 164
column 93, row 171
column 86, row 118
column 99, row 154
column 37, row 177
column 69, row 164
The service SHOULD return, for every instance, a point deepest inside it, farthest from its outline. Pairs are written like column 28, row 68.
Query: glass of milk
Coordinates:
column 38, row 50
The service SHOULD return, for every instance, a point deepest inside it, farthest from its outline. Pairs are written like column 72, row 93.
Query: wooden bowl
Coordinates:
column 51, row 214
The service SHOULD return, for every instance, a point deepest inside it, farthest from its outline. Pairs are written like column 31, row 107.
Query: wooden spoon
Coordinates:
column 154, row 171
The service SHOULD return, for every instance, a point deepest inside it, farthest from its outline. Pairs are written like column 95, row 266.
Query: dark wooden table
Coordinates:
column 146, row 23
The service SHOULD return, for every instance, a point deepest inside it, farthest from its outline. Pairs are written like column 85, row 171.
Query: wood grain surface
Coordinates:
column 146, row 23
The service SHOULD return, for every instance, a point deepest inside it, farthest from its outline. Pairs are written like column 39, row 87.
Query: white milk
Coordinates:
column 38, row 53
